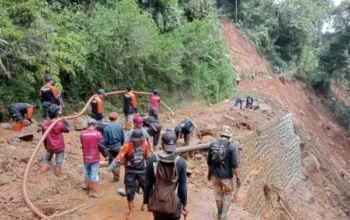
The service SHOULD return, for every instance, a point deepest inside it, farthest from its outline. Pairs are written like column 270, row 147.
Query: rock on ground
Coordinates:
column 311, row 163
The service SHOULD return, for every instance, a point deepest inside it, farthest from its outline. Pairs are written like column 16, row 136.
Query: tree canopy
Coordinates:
column 85, row 44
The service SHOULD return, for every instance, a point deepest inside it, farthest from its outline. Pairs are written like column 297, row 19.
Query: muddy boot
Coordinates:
column 225, row 207
column 45, row 168
column 58, row 171
column 92, row 191
column 219, row 204
column 131, row 210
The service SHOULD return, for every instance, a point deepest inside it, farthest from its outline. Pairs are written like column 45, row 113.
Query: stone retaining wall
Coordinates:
column 268, row 157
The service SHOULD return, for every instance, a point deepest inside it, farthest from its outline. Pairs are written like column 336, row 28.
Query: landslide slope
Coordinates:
column 325, row 192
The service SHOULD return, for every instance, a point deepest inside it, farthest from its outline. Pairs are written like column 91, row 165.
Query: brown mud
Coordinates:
column 53, row 195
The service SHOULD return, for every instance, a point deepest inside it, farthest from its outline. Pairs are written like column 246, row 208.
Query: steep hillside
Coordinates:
column 244, row 55
column 325, row 147
column 325, row 144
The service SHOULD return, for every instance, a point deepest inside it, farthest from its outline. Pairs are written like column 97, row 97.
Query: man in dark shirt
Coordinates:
column 134, row 154
column 222, row 165
column 249, row 102
column 113, row 139
column 153, row 128
column 18, row 111
column 169, row 140
column 185, row 129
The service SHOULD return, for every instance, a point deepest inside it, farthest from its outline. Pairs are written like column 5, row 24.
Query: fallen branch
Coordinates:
column 173, row 113
column 66, row 212
column 290, row 212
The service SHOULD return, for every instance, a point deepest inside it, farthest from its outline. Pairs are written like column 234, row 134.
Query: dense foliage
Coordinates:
column 287, row 32
column 290, row 33
column 87, row 44
column 334, row 60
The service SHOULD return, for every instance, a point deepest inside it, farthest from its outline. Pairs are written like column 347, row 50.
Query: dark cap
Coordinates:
column 92, row 122
column 101, row 91
column 53, row 111
column 48, row 79
column 137, row 135
column 155, row 91
column 169, row 140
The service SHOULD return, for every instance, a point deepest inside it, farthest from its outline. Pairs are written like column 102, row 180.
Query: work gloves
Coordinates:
column 112, row 166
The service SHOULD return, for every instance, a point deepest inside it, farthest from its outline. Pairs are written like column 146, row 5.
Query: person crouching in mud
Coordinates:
column 134, row 154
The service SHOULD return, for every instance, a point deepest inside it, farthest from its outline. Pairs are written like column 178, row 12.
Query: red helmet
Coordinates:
column 113, row 115
column 138, row 119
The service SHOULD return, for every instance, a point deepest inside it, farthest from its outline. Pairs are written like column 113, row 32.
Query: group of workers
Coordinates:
column 249, row 102
column 156, row 169
column 48, row 95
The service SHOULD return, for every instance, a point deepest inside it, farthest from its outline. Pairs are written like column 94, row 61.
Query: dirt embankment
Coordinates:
column 244, row 56
column 325, row 149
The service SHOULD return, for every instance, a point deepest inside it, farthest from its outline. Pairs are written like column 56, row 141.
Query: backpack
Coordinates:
column 219, row 152
column 131, row 147
column 127, row 104
column 164, row 198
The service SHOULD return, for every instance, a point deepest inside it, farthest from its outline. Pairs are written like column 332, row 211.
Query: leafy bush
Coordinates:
column 112, row 44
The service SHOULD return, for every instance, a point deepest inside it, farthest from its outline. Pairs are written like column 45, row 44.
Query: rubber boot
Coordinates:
column 45, row 167
column 219, row 204
column 131, row 210
column 225, row 207
column 92, row 190
column 58, row 171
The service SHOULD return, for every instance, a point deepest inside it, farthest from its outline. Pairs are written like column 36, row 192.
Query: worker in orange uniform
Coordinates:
column 134, row 154
column 49, row 95
column 97, row 105
column 17, row 112
column 130, row 107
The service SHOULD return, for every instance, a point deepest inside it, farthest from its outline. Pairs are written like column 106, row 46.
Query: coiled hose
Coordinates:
column 36, row 150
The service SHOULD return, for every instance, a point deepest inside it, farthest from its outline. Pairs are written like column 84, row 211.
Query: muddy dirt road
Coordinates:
column 54, row 195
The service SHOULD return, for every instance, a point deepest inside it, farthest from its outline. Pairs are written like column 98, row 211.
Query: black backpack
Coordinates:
column 127, row 104
column 219, row 152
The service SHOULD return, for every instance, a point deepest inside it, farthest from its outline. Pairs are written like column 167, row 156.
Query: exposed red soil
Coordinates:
column 53, row 195
column 244, row 55
column 323, row 137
